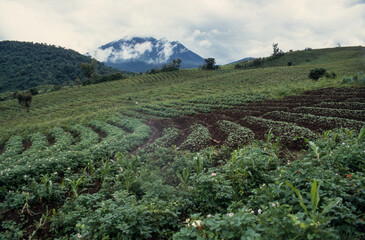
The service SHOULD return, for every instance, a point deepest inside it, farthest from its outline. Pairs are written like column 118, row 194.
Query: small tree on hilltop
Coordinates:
column 276, row 50
column 210, row 64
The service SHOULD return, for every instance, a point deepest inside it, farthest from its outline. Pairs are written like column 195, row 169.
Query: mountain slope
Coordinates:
column 140, row 54
column 24, row 65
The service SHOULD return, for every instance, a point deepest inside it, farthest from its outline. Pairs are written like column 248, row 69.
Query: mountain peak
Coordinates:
column 139, row 54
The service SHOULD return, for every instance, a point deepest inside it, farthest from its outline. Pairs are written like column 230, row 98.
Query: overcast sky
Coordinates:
column 227, row 30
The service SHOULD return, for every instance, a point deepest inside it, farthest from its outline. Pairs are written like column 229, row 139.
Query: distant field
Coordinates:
column 80, row 105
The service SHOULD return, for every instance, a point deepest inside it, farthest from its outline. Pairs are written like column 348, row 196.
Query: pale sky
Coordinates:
column 227, row 30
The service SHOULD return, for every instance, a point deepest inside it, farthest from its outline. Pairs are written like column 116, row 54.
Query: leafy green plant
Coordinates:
column 315, row 220
column 316, row 73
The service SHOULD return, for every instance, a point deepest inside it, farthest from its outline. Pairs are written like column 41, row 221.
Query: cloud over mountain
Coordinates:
column 140, row 54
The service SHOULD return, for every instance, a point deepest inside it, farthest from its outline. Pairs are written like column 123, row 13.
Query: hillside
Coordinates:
column 24, row 65
column 191, row 154
column 140, row 54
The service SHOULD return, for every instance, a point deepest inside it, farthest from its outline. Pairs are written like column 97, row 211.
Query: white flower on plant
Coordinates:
column 209, row 216
column 259, row 211
column 230, row 214
column 187, row 220
column 55, row 173
column 214, row 174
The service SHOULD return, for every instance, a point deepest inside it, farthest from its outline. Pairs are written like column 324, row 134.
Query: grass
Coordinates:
column 75, row 105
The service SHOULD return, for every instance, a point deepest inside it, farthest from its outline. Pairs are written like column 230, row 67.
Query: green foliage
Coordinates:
column 88, row 69
column 174, row 65
column 237, row 135
column 359, row 78
column 197, row 139
column 308, row 119
column 289, row 133
column 317, row 73
column 209, row 64
column 26, row 65
column 330, row 112
column 24, row 99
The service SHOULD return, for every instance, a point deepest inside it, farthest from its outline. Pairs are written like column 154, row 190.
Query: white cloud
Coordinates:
column 227, row 30
column 166, row 52
column 102, row 54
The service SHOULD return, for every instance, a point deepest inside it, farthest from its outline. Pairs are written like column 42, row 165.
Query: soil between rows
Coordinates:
column 257, row 109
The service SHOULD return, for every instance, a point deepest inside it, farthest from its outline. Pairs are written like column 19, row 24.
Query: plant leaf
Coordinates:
column 299, row 196
column 331, row 205
column 314, row 196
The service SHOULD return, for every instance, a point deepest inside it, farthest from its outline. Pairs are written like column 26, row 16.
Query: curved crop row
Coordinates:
column 237, row 135
column 289, row 133
column 231, row 100
column 342, row 105
column 169, row 135
column 325, row 123
column 60, row 156
column 87, row 137
column 63, row 139
column 163, row 112
column 13, row 146
column 139, row 132
column 197, row 139
column 331, row 112
column 39, row 143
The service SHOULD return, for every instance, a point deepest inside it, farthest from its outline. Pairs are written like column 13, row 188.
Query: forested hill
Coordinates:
column 24, row 65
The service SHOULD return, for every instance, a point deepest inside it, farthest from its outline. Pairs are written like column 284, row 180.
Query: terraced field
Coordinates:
column 232, row 122
column 292, row 118
column 23, row 159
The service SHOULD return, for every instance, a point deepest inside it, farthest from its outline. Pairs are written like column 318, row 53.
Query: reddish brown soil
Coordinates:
column 209, row 120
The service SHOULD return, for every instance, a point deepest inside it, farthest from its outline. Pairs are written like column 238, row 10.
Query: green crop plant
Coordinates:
column 314, row 219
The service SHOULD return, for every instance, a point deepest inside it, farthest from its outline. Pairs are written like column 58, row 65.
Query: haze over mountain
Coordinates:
column 139, row 54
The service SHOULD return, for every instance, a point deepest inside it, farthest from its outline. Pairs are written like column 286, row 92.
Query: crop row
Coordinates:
column 288, row 132
column 237, row 135
column 324, row 123
column 169, row 135
column 41, row 159
column 232, row 100
column 331, row 112
column 163, row 112
column 342, row 105
column 197, row 139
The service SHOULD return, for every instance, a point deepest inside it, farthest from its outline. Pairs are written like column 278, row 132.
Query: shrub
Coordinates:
column 316, row 73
